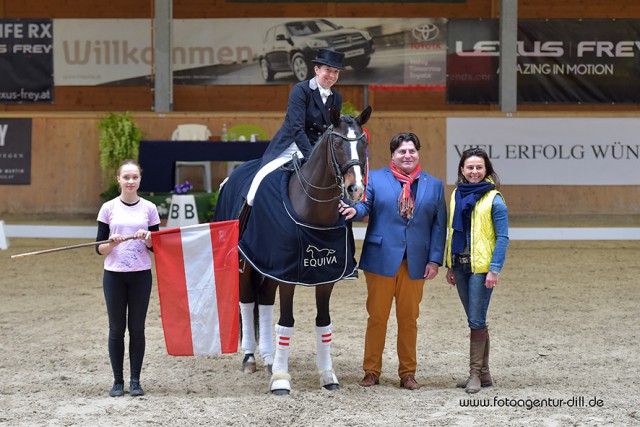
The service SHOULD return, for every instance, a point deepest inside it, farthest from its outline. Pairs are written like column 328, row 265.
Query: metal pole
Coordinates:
column 163, row 47
column 508, row 55
column 64, row 248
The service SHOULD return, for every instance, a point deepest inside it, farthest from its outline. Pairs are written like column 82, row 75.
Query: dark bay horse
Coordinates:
column 318, row 252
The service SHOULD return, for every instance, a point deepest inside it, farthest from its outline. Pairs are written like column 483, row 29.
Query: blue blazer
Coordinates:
column 389, row 235
column 306, row 120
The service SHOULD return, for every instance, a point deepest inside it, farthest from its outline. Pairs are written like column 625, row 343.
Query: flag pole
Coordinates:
column 64, row 248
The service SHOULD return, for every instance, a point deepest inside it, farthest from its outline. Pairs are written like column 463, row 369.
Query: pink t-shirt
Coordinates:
column 131, row 255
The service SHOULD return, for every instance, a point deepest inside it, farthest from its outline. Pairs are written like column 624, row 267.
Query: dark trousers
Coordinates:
column 126, row 293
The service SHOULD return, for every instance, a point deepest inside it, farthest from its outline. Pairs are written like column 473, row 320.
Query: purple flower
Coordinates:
column 182, row 188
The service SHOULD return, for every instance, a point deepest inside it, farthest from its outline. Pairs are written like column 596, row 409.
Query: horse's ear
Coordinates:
column 334, row 115
column 364, row 116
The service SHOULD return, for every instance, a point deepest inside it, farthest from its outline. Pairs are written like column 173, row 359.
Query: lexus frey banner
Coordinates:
column 550, row 151
column 253, row 51
column 26, row 61
column 15, row 151
column 559, row 61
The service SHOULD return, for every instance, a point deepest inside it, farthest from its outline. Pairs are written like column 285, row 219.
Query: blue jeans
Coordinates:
column 474, row 295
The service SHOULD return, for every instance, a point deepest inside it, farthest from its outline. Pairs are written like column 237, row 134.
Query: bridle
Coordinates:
column 338, row 171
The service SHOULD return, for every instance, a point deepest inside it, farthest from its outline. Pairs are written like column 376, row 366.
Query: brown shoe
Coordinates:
column 409, row 382
column 369, row 380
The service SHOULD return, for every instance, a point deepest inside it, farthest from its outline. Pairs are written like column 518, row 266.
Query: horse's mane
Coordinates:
column 348, row 118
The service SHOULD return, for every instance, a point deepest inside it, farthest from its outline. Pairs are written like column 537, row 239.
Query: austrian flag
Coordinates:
column 197, row 274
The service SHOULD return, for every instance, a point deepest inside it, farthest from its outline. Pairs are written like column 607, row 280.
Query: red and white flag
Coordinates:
column 197, row 274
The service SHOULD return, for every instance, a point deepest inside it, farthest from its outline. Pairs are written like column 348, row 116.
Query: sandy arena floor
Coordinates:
column 565, row 351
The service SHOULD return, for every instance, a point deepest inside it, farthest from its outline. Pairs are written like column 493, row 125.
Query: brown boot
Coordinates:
column 477, row 343
column 485, row 375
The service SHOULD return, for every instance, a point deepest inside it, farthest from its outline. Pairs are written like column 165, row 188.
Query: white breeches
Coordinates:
column 274, row 164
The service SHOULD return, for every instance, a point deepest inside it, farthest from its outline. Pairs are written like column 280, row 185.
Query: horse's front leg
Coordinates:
column 280, row 383
column 324, row 338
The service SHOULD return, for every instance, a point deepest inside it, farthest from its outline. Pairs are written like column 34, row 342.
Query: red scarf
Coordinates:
column 405, row 201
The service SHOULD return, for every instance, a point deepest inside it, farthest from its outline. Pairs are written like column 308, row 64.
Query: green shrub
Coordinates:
column 119, row 140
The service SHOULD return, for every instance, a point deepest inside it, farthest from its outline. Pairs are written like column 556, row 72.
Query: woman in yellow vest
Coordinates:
column 478, row 236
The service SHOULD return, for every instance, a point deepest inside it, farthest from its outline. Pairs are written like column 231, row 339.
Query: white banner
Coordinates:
column 91, row 52
column 550, row 151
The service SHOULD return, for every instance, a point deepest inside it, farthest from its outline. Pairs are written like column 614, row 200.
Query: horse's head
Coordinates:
column 348, row 147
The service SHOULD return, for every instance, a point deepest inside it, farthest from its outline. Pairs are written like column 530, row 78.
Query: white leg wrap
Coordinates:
column 324, row 336
column 266, row 333
column 281, row 359
column 248, row 330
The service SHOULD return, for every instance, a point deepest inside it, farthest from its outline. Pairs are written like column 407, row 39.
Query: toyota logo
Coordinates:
column 426, row 32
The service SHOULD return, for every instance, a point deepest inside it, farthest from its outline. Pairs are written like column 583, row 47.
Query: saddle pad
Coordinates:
column 280, row 246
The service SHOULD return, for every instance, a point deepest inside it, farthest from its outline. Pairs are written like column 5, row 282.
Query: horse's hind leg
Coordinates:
column 280, row 383
column 253, row 289
column 247, row 309
column 324, row 337
column 266, row 299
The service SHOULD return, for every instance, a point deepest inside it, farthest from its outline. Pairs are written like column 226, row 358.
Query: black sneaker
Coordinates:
column 117, row 390
column 135, row 389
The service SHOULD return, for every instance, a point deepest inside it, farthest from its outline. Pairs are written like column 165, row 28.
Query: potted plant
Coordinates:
column 119, row 140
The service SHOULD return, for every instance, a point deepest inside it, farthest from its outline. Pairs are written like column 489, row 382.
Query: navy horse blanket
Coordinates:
column 276, row 242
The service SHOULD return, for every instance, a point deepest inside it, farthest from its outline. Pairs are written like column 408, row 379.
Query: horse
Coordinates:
column 308, row 196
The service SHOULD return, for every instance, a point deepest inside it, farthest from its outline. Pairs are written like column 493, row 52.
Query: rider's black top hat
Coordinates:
column 329, row 57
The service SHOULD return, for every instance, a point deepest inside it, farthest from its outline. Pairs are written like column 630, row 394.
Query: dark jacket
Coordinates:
column 306, row 120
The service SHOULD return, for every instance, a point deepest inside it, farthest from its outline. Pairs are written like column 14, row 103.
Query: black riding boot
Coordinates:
column 243, row 216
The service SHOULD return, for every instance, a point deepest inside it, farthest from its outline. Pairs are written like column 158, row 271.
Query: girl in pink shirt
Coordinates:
column 126, row 221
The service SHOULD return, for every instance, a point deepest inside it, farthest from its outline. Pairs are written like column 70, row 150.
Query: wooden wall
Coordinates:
column 274, row 97
column 66, row 176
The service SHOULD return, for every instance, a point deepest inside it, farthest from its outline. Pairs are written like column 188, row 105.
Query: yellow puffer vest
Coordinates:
column 483, row 236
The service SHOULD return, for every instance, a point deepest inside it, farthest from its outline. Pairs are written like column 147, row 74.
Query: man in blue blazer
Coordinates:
column 307, row 116
column 403, row 247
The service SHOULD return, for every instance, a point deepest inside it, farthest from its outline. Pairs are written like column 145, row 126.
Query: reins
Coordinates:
column 338, row 171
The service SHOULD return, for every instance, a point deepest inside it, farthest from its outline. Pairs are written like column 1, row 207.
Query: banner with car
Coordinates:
column 252, row 51
column 594, row 61
column 349, row 1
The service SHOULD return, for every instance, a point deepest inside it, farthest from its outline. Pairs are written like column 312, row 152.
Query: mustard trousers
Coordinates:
column 381, row 290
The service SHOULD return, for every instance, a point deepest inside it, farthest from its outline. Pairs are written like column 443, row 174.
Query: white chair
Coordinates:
column 193, row 132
